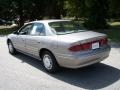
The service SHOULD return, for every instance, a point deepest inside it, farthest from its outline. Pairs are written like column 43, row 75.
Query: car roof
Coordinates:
column 47, row 21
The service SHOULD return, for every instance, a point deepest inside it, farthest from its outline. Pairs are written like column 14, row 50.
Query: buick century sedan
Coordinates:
column 59, row 43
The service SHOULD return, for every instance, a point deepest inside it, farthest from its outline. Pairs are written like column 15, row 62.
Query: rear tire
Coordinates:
column 11, row 48
column 49, row 62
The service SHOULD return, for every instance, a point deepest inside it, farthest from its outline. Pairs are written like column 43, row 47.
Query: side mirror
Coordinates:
column 23, row 33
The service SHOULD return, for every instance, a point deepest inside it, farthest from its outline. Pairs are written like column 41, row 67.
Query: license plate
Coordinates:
column 95, row 45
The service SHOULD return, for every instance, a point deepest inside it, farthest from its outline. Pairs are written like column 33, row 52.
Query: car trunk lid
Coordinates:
column 81, row 37
column 83, row 40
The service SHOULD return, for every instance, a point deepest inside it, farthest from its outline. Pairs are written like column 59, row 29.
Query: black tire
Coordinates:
column 11, row 48
column 54, row 67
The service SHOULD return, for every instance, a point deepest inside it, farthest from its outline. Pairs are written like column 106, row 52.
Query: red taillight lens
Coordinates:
column 80, row 47
column 76, row 48
column 104, row 41
column 87, row 46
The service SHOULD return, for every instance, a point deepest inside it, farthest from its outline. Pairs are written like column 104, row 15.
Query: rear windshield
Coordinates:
column 66, row 27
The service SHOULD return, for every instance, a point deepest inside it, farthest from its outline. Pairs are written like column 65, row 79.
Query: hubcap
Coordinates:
column 47, row 61
column 10, row 47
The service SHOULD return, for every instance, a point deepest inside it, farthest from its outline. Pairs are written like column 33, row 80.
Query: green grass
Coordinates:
column 115, row 23
column 113, row 32
column 113, row 35
column 6, row 31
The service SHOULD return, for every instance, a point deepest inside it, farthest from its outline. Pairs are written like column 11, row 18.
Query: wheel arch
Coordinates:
column 8, row 40
column 43, row 50
column 56, row 64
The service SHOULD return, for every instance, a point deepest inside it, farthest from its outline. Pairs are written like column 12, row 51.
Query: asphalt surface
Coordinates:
column 21, row 72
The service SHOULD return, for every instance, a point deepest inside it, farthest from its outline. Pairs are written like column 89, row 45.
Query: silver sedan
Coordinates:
column 59, row 43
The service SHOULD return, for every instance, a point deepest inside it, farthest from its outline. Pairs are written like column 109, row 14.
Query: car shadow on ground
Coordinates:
column 93, row 77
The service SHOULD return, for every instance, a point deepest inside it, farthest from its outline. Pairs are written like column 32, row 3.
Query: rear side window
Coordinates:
column 66, row 27
column 38, row 29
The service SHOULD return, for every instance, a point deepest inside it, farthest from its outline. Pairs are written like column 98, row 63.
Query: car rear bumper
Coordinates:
column 82, row 60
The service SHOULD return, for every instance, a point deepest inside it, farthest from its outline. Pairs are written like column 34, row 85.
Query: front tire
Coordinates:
column 49, row 62
column 11, row 48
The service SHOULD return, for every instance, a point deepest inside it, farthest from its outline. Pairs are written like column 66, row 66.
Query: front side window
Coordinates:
column 66, row 27
column 38, row 29
column 25, row 29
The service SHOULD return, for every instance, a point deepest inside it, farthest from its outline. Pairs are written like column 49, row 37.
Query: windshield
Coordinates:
column 66, row 27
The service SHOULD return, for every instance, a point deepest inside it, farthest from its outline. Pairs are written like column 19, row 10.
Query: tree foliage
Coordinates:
column 114, row 10
column 97, row 14
column 93, row 12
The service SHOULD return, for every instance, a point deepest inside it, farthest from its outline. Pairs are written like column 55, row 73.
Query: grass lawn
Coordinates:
column 5, row 30
column 113, row 32
column 113, row 35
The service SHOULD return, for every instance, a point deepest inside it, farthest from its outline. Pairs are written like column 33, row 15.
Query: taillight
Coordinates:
column 88, row 45
column 80, row 47
column 104, row 41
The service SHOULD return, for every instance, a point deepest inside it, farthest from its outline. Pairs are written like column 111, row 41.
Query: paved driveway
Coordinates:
column 21, row 72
